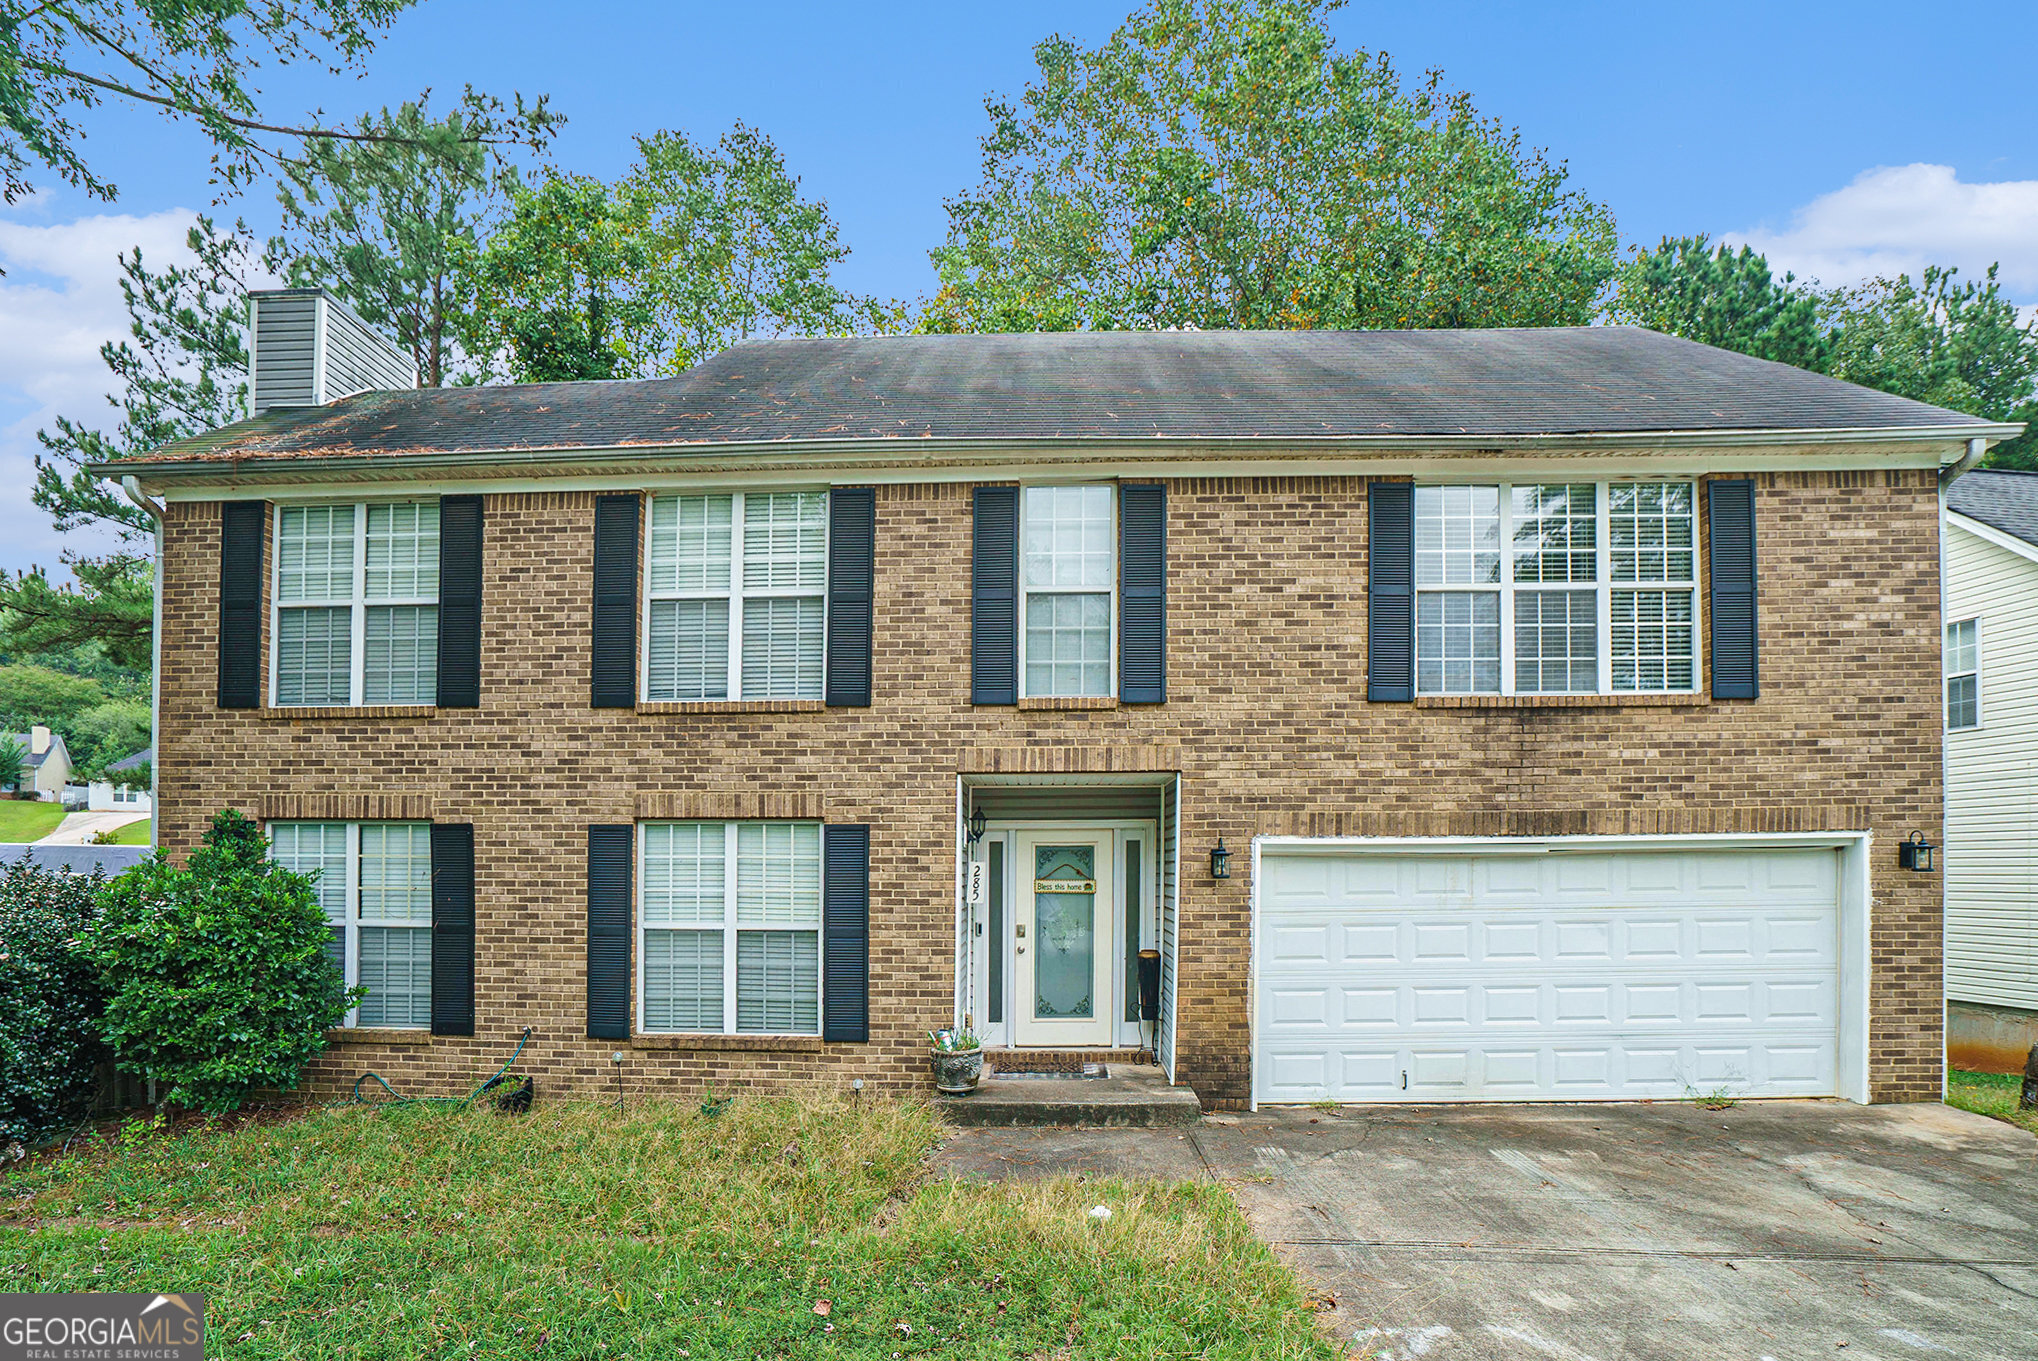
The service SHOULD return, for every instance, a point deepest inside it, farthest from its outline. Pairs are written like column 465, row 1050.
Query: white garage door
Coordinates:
column 1567, row 976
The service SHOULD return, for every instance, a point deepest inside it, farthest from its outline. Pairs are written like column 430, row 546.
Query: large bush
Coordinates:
column 50, row 999
column 217, row 974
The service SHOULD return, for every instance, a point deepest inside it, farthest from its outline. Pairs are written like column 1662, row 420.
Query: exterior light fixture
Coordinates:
column 1916, row 853
column 976, row 826
column 1220, row 861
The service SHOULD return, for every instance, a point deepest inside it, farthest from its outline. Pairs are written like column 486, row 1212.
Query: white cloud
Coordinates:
column 1898, row 219
column 59, row 302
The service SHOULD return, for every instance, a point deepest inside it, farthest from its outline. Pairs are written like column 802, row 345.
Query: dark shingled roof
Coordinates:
column 134, row 762
column 1106, row 385
column 2001, row 500
column 75, row 859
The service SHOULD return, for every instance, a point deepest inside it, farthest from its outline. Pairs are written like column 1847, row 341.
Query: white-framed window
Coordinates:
column 736, row 596
column 1963, row 674
column 1068, row 579
column 375, row 883
column 357, row 604
column 1556, row 588
column 729, row 927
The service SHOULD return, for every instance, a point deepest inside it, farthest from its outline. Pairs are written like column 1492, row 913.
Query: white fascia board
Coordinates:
column 1990, row 534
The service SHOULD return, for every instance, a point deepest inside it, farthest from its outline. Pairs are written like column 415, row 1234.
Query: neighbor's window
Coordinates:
column 730, row 939
column 375, row 883
column 1556, row 588
column 1067, row 576
column 357, row 604
column 737, row 596
column 1963, row 674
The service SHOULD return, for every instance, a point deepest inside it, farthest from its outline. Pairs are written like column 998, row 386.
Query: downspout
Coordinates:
column 133, row 488
column 1975, row 449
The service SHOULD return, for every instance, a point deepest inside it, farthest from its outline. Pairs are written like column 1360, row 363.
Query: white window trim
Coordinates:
column 1603, row 587
column 729, row 929
column 353, row 922
column 1949, row 676
column 1110, row 593
column 736, row 593
column 357, row 605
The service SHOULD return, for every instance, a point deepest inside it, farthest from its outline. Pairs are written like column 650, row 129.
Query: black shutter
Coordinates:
column 1730, row 529
column 994, row 597
column 452, row 928
column 852, row 551
column 1143, row 594
column 241, row 531
column 615, row 602
column 1390, row 592
column 610, row 851
column 459, row 602
column 845, row 932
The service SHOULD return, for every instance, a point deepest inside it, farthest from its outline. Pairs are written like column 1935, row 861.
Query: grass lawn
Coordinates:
column 778, row 1228
column 1989, row 1094
column 134, row 834
column 27, row 820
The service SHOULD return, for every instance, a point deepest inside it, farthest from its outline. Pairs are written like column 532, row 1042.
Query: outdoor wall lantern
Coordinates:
column 1916, row 853
column 976, row 826
column 1220, row 861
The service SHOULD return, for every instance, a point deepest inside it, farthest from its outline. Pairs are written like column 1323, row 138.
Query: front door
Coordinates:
column 1062, row 938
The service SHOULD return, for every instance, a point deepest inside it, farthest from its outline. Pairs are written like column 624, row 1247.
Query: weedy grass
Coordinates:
column 1989, row 1094
column 780, row 1227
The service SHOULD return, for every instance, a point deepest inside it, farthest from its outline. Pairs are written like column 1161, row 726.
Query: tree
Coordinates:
column 218, row 978
column 13, row 758
column 562, row 284
column 36, row 694
column 1220, row 164
column 736, row 252
column 111, row 605
column 110, row 731
column 1687, row 287
column 190, row 58
column 390, row 224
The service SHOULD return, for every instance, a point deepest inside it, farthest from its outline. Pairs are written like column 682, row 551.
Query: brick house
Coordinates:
column 1557, row 698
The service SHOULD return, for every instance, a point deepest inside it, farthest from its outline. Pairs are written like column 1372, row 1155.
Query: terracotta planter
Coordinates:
column 956, row 1071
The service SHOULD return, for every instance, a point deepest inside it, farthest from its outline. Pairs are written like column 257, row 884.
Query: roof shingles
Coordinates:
column 2007, row 501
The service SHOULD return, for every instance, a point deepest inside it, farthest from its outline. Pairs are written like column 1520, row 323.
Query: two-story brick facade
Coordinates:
column 1559, row 698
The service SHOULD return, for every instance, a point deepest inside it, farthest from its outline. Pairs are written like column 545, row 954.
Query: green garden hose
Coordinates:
column 396, row 1100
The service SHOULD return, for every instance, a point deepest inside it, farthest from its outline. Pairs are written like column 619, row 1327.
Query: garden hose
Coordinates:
column 395, row 1100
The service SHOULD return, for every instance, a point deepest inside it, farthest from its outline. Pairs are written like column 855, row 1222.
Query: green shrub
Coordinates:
column 50, row 999
column 217, row 974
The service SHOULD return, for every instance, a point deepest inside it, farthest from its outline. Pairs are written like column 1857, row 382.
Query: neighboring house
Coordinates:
column 1992, row 769
column 48, row 767
column 1556, row 700
column 113, row 795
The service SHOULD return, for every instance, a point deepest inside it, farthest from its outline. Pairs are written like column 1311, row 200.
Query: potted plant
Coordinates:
column 957, row 1057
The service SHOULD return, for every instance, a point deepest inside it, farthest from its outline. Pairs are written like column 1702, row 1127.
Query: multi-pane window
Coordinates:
column 1556, row 588
column 357, row 604
column 737, row 596
column 730, row 939
column 1067, row 575
column 375, row 883
column 1963, row 674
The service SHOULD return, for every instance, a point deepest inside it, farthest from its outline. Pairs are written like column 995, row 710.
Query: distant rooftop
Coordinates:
column 75, row 859
column 1115, row 385
column 2001, row 500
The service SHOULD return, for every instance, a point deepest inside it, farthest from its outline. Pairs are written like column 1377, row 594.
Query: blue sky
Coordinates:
column 1842, row 138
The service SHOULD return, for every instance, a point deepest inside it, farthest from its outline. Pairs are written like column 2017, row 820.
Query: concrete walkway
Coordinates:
column 1776, row 1230
column 78, row 829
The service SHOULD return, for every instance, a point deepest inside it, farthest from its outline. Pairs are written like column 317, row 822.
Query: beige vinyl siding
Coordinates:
column 1992, row 782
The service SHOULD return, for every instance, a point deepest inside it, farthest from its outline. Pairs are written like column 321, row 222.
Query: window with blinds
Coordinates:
column 736, row 596
column 1067, row 575
column 729, row 936
column 357, row 604
column 374, row 881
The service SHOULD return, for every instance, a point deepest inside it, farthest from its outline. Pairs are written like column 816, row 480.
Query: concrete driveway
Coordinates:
column 78, row 829
column 1777, row 1230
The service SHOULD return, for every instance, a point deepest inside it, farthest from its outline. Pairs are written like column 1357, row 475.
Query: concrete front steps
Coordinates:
column 1130, row 1094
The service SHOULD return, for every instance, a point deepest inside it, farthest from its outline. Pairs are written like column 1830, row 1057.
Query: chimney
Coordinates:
column 307, row 348
column 38, row 740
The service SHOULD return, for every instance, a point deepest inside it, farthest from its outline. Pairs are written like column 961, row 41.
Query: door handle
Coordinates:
column 1019, row 949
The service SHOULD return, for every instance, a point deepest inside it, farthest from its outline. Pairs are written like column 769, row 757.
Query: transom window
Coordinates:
column 375, row 883
column 730, row 934
column 737, row 596
column 1963, row 674
column 1556, row 588
column 1067, row 576
column 357, row 604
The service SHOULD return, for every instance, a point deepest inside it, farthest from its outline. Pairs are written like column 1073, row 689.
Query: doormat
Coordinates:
column 1074, row 1071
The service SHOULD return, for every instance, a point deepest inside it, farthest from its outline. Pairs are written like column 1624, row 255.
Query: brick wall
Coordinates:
column 1266, row 720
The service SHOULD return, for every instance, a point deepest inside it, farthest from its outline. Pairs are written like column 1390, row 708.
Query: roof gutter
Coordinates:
column 909, row 452
column 1975, row 449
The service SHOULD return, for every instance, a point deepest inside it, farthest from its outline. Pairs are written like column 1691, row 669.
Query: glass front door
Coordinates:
column 1062, row 938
